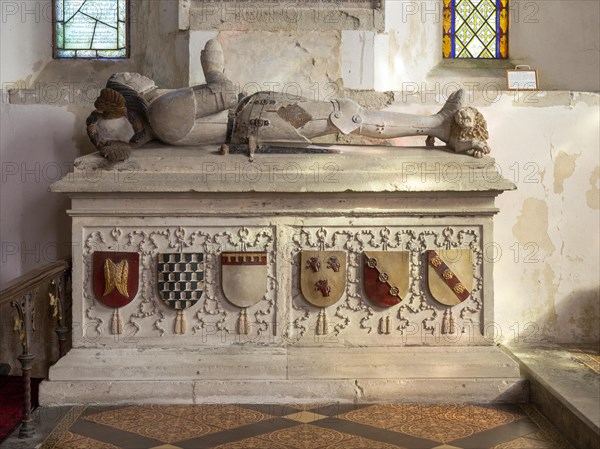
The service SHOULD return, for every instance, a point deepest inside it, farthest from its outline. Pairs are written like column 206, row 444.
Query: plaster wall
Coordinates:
column 45, row 130
column 561, row 39
column 547, row 143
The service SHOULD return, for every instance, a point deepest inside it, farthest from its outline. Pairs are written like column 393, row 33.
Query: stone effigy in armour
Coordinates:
column 132, row 110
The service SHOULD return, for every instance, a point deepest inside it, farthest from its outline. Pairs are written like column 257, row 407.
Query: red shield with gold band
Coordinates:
column 115, row 277
column 323, row 276
column 450, row 275
column 386, row 276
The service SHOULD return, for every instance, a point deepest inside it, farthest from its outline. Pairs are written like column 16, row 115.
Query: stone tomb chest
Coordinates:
column 359, row 275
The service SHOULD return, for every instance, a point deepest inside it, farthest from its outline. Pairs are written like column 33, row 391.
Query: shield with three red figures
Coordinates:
column 450, row 275
column 323, row 276
column 386, row 276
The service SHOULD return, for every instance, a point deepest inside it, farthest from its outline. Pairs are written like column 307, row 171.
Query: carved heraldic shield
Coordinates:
column 386, row 276
column 180, row 279
column 323, row 276
column 244, row 280
column 180, row 282
column 450, row 275
column 115, row 277
column 244, row 277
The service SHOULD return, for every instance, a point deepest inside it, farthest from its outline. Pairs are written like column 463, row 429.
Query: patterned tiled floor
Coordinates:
column 337, row 426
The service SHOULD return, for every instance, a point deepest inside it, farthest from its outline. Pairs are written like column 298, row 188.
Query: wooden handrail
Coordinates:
column 22, row 294
column 25, row 283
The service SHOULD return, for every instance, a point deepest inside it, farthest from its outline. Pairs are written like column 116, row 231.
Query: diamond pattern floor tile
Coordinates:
column 307, row 426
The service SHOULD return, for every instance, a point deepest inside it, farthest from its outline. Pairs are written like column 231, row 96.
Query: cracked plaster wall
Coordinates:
column 548, row 143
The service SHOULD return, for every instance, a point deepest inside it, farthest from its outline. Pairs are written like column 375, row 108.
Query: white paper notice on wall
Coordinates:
column 522, row 77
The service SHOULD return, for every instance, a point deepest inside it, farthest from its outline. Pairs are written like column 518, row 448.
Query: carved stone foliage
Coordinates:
column 284, row 315
column 212, row 317
column 417, row 316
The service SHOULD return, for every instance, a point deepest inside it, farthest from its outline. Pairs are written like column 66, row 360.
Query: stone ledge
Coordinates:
column 279, row 375
column 469, row 390
column 565, row 391
column 345, row 169
column 292, row 363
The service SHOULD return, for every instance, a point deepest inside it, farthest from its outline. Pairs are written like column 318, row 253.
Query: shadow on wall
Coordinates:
column 582, row 307
column 574, row 319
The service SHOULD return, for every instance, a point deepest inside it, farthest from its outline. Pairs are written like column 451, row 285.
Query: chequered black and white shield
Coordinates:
column 180, row 279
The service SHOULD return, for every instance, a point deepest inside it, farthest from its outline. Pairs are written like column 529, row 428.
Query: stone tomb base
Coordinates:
column 478, row 374
column 351, row 201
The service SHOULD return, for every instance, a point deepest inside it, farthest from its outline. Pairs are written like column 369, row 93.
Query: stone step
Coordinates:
column 285, row 363
column 564, row 390
column 246, row 374
column 450, row 390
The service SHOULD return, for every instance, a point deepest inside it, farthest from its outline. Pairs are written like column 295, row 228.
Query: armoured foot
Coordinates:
column 212, row 60
column 213, row 66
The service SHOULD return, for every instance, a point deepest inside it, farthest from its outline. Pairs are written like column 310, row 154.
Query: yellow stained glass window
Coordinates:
column 91, row 29
column 475, row 29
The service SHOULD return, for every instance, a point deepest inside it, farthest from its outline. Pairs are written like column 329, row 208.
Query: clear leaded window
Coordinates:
column 476, row 29
column 91, row 28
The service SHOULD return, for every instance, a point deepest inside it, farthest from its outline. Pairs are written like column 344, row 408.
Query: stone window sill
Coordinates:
column 472, row 70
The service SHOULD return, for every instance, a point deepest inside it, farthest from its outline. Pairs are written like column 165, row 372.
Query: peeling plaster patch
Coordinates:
column 588, row 98
column 532, row 225
column 370, row 99
column 548, row 99
column 564, row 166
column 592, row 196
column 304, row 64
column 355, row 20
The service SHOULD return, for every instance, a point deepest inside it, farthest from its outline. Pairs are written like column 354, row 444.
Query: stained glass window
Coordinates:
column 476, row 29
column 91, row 29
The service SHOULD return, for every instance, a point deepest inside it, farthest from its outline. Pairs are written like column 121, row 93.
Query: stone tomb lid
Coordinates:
column 344, row 168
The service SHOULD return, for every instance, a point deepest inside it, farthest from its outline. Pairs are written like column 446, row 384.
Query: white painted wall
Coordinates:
column 49, row 131
column 552, row 139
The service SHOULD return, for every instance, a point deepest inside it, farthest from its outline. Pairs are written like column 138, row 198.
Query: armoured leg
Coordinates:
column 388, row 125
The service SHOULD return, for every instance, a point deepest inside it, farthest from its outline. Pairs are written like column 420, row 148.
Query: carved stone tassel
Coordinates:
column 381, row 326
column 116, row 326
column 322, row 323
column 452, row 323
column 446, row 323
column 325, row 329
column 387, row 325
column 180, row 323
column 319, row 323
column 243, row 327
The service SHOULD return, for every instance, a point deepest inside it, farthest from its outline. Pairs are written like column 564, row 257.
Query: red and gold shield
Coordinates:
column 450, row 275
column 115, row 277
column 386, row 276
column 323, row 276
